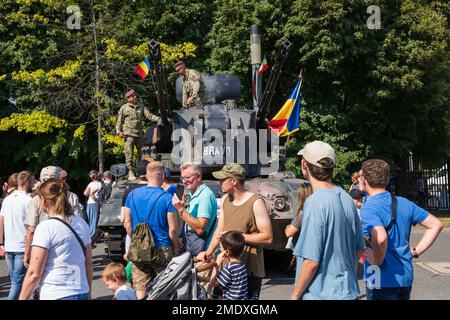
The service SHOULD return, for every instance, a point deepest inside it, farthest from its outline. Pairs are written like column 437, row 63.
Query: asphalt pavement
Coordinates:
column 431, row 282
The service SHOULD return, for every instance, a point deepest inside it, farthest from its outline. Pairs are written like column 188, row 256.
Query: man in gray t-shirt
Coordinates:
column 331, row 240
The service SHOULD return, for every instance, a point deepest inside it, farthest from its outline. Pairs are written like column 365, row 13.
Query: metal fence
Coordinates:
column 423, row 179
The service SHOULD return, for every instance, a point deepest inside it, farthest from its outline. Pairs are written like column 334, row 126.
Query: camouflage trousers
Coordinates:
column 128, row 147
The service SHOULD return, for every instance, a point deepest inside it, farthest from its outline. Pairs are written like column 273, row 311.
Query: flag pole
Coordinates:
column 300, row 75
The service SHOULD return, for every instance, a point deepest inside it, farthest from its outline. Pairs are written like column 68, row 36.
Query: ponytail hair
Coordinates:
column 54, row 193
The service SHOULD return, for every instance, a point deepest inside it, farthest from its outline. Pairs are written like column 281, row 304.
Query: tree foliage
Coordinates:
column 369, row 93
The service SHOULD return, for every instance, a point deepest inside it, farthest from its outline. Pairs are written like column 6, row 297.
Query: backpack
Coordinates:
column 104, row 193
column 142, row 247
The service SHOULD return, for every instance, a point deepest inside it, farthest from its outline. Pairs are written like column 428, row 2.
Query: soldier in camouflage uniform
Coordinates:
column 129, row 127
column 194, row 90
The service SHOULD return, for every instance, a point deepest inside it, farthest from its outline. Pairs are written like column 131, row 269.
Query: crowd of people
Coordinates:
column 48, row 247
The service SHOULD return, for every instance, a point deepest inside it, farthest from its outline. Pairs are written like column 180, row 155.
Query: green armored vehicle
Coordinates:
column 213, row 135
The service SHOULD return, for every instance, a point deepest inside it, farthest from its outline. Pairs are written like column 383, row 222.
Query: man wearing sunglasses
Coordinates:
column 129, row 127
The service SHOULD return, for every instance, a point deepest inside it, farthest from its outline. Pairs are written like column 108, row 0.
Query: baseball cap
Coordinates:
column 141, row 168
column 315, row 151
column 356, row 193
column 230, row 170
column 49, row 172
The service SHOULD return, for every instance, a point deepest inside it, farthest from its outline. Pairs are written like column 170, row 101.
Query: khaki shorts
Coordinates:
column 143, row 274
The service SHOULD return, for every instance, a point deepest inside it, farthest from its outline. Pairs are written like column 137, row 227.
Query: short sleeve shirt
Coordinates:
column 331, row 235
column 152, row 205
column 396, row 268
column 65, row 271
column 203, row 204
column 234, row 281
column 125, row 293
column 14, row 212
column 94, row 185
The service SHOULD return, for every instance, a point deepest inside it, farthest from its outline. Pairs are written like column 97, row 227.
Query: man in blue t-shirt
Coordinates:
column 388, row 264
column 153, row 205
column 331, row 240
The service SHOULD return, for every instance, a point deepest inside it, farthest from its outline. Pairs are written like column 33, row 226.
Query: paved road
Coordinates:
column 429, row 283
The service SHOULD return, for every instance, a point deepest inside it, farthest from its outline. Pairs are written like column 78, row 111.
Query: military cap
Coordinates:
column 129, row 93
column 230, row 170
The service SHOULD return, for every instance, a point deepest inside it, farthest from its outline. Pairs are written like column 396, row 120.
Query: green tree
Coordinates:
column 373, row 93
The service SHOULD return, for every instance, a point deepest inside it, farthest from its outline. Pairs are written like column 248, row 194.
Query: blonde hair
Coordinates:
column 114, row 271
column 155, row 165
column 303, row 192
column 194, row 167
column 24, row 177
column 148, row 158
column 54, row 193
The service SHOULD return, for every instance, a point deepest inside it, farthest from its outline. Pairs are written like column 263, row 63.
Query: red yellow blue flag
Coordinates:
column 287, row 120
column 264, row 65
column 143, row 68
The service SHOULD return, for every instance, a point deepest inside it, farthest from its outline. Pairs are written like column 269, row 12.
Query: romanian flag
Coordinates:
column 143, row 68
column 264, row 65
column 287, row 120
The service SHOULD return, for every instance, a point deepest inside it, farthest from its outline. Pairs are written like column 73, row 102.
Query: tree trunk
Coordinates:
column 97, row 95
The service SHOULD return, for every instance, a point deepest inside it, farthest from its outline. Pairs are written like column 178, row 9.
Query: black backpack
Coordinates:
column 105, row 192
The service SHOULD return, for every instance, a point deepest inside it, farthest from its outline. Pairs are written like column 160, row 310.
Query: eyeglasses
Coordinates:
column 28, row 178
column 188, row 178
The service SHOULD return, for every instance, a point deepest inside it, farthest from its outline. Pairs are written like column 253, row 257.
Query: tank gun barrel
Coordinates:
column 159, row 77
column 272, row 82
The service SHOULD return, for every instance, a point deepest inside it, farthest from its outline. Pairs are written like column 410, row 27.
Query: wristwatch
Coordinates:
column 415, row 255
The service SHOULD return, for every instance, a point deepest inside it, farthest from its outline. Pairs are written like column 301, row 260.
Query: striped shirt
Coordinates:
column 233, row 279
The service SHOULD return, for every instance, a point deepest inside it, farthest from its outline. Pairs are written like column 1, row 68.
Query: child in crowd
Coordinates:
column 358, row 198
column 355, row 181
column 293, row 228
column 114, row 278
column 233, row 276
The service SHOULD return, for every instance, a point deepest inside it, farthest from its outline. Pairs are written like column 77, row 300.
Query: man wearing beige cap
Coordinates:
column 194, row 89
column 331, row 241
column 129, row 127
column 245, row 212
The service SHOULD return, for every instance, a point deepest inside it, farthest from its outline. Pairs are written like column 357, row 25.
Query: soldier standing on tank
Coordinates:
column 129, row 127
column 194, row 90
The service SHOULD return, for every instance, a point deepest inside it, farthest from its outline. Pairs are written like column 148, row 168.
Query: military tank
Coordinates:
column 216, row 134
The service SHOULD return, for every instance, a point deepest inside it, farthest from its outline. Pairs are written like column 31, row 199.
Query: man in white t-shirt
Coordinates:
column 93, row 205
column 13, row 230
